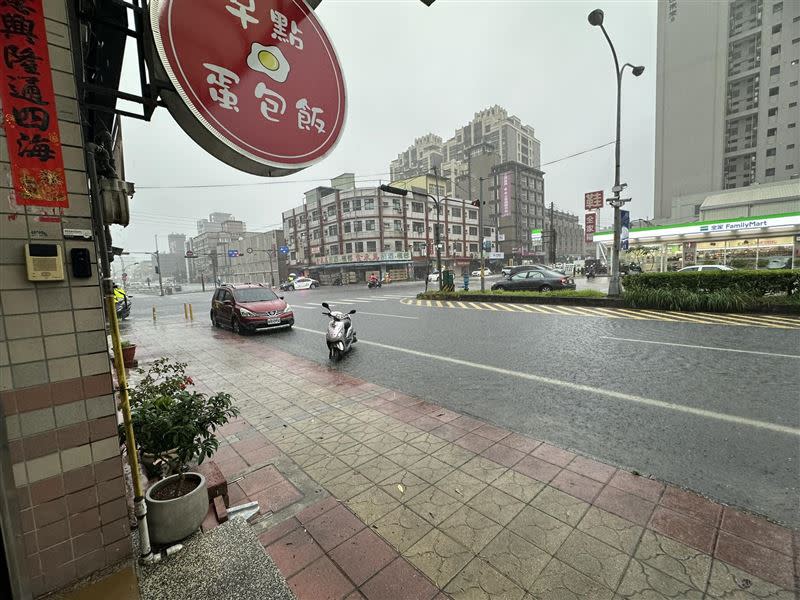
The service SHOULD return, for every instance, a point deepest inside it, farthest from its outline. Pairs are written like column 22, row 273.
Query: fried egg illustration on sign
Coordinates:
column 269, row 60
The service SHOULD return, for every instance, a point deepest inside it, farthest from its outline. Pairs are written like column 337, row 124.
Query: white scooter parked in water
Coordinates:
column 341, row 334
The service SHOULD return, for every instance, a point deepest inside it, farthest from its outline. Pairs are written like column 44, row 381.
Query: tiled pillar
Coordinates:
column 67, row 505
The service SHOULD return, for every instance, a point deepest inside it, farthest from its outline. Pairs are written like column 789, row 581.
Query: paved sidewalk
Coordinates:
column 369, row 493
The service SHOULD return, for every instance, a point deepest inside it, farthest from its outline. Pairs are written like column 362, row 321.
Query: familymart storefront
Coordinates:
column 768, row 242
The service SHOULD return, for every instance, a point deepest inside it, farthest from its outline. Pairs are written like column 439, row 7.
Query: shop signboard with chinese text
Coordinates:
column 257, row 82
column 593, row 200
column 29, row 117
column 335, row 259
column 590, row 226
column 506, row 182
column 536, row 237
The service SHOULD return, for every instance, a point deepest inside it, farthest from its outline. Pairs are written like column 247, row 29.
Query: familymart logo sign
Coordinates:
column 734, row 226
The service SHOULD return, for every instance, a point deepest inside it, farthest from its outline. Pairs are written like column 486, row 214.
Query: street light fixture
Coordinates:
column 596, row 20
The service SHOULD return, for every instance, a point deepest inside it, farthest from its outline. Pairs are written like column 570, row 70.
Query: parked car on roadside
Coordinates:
column 249, row 307
column 536, row 281
column 433, row 276
column 520, row 268
column 705, row 268
column 486, row 273
column 630, row 268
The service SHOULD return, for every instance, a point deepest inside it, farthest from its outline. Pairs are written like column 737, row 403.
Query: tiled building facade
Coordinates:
column 63, row 511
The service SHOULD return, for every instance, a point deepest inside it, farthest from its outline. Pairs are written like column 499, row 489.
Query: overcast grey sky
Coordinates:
column 411, row 70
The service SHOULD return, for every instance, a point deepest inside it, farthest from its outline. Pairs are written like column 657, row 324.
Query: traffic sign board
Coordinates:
column 233, row 253
column 124, row 276
column 284, row 249
column 258, row 85
column 189, row 254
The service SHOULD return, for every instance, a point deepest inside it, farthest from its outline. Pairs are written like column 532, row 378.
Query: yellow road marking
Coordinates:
column 523, row 308
column 504, row 307
column 485, row 305
column 439, row 304
column 475, row 305
column 428, row 303
column 609, row 312
column 449, row 304
column 557, row 310
column 462, row 305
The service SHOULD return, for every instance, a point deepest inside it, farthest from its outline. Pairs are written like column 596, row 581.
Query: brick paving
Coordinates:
column 366, row 492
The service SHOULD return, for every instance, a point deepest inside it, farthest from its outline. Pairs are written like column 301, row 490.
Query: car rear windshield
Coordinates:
column 255, row 295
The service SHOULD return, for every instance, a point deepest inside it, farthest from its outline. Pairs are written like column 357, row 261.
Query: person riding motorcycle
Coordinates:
column 373, row 278
column 121, row 302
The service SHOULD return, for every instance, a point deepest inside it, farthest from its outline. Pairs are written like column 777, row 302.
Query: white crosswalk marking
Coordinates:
column 743, row 320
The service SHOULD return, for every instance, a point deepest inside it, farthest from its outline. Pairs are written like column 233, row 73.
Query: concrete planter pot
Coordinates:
column 170, row 521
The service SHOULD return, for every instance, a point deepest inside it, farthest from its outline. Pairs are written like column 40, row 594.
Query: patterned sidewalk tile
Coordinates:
column 423, row 503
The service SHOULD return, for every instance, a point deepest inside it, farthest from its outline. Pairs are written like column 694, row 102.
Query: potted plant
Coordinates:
column 175, row 425
column 128, row 353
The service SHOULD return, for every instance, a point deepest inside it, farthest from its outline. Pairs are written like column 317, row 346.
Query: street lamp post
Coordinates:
column 437, row 234
column 596, row 20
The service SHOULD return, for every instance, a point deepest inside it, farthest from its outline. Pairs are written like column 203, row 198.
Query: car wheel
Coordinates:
column 545, row 288
column 236, row 328
column 314, row 285
column 499, row 288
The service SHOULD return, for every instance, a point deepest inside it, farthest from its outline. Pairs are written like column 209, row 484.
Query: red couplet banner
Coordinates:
column 29, row 115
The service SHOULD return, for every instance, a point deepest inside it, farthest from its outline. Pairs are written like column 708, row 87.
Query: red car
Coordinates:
column 249, row 307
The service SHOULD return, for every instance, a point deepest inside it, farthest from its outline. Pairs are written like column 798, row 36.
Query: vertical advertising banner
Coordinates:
column 505, row 194
column 590, row 227
column 29, row 116
column 625, row 217
column 689, row 253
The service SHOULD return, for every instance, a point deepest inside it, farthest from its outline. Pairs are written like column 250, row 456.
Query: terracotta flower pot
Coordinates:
column 128, row 353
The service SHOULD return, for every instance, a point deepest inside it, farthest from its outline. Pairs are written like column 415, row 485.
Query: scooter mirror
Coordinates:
column 352, row 312
column 325, row 304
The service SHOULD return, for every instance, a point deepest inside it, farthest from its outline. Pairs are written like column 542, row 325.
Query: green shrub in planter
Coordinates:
column 173, row 422
column 757, row 283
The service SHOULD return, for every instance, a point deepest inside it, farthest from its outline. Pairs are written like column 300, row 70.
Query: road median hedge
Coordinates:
column 716, row 291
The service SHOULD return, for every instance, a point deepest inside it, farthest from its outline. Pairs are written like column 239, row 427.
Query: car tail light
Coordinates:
column 565, row 280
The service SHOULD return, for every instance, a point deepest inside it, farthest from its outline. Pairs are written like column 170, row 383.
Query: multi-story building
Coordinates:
column 726, row 99
column 176, row 242
column 260, row 259
column 511, row 139
column 213, row 247
column 358, row 231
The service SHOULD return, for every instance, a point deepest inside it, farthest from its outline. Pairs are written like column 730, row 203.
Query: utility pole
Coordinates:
column 437, row 237
column 480, row 231
column 552, row 249
column 270, row 252
column 158, row 268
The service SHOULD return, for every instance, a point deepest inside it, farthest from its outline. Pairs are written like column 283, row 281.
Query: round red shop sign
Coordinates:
column 256, row 82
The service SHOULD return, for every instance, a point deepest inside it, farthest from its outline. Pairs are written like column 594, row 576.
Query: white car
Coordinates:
column 486, row 273
column 304, row 283
column 705, row 268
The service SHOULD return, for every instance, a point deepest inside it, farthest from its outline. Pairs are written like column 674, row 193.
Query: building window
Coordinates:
column 457, row 248
column 473, row 215
column 333, row 249
column 369, row 203
column 777, row 28
column 790, row 146
column 417, row 207
column 357, row 204
column 398, row 225
column 333, row 230
column 348, row 247
column 331, row 210
column 456, row 229
column 770, row 151
column 359, row 246
column 315, row 215
column 772, row 131
column 775, row 50
column 775, row 70
column 357, row 226
column 370, row 224
column 347, row 227
column 372, row 246
column 792, row 125
column 418, row 227
column 769, row 172
column 473, row 247
column 777, row 7
column 473, row 231
column 789, row 167
column 456, row 212
column 345, row 205
column 398, row 246
column 773, row 91
column 772, row 111
column 792, row 104
column 792, row 84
